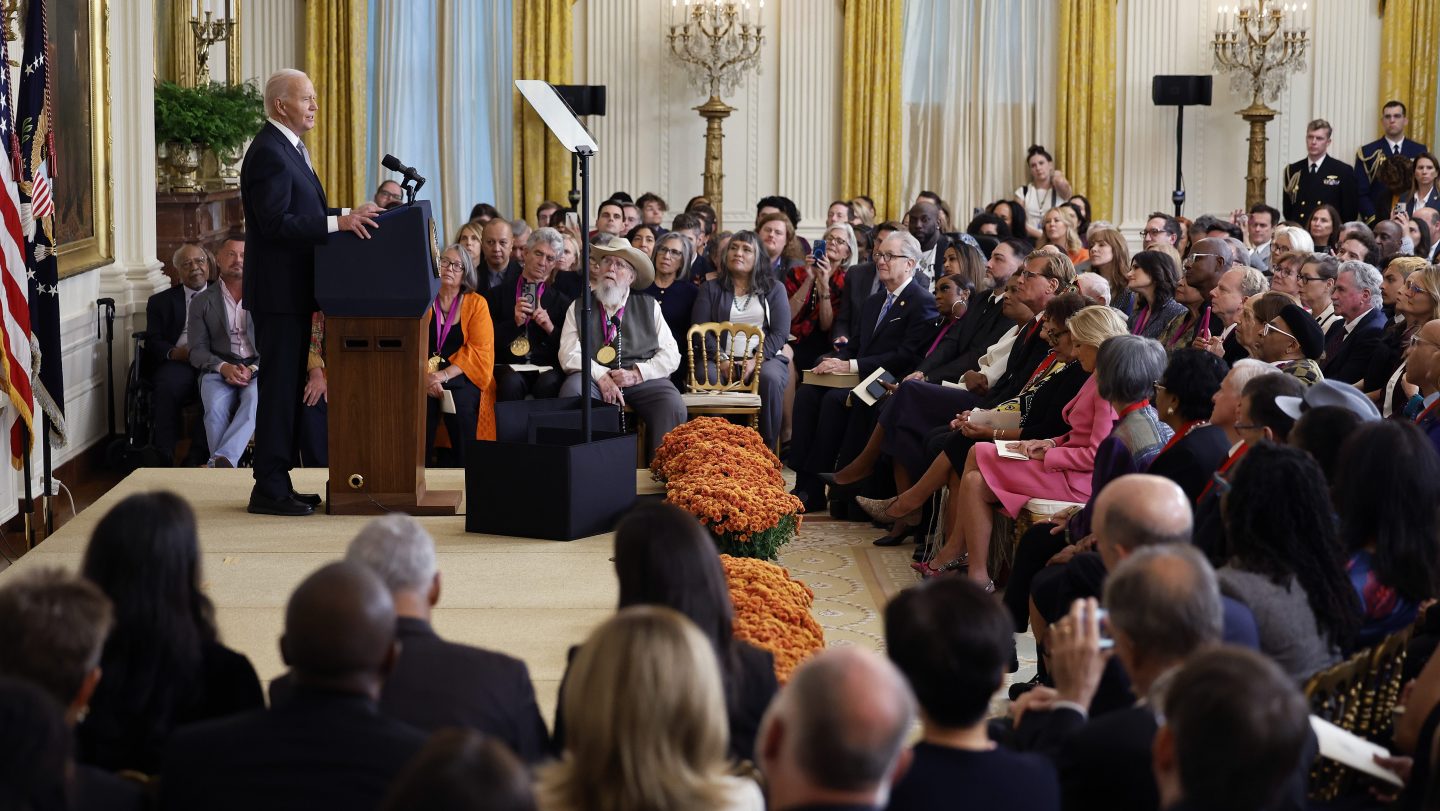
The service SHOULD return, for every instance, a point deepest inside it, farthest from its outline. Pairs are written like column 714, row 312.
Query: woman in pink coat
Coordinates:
column 1057, row 469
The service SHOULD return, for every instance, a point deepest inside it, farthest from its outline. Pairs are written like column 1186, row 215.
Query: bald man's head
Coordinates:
column 842, row 720
column 1139, row 510
column 340, row 628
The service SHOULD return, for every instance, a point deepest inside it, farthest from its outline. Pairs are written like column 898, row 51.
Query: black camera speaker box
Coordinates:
column 545, row 481
column 1182, row 91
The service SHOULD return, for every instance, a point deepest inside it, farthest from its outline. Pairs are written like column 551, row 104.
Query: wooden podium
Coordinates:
column 375, row 294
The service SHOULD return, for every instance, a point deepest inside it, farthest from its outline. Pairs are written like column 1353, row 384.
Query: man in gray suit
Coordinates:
column 222, row 347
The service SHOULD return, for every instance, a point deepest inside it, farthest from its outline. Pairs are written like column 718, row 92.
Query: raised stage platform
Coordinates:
column 529, row 598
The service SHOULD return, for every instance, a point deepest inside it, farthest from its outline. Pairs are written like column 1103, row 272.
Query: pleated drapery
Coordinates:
column 870, row 88
column 542, row 51
column 335, row 58
column 1408, row 62
column 1085, row 119
column 979, row 88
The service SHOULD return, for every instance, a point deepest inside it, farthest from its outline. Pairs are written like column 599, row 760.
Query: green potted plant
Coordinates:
column 190, row 119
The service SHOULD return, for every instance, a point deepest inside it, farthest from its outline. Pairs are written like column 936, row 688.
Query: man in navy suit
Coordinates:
column 1318, row 179
column 167, row 353
column 286, row 216
column 1374, row 195
column 893, row 328
column 1351, row 341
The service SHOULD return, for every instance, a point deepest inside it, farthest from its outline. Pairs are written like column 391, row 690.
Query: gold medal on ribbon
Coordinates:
column 520, row 347
column 433, row 364
column 606, row 355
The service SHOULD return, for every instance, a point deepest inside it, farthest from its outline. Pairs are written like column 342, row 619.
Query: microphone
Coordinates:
column 393, row 164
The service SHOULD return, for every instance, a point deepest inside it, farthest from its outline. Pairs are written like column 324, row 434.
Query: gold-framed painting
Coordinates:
column 80, row 97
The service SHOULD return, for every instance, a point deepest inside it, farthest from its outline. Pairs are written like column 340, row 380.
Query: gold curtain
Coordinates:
column 1085, row 118
column 336, row 43
column 542, row 51
column 1408, row 62
column 870, row 133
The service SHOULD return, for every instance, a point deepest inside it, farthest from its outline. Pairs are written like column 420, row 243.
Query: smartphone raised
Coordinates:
column 818, row 249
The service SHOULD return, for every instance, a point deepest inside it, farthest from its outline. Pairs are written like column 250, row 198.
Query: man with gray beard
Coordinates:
column 632, row 352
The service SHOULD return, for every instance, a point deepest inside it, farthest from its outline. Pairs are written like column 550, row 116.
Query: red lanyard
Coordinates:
column 1423, row 414
column 1132, row 408
column 612, row 324
column 1182, row 433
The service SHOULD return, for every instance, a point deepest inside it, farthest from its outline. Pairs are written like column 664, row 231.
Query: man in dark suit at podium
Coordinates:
column 1375, row 195
column 1318, row 179
column 286, row 215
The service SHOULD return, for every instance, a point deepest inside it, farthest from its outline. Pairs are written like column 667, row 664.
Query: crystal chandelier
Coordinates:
column 718, row 41
column 1260, row 45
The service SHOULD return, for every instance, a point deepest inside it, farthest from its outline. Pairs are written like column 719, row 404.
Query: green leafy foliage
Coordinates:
column 219, row 116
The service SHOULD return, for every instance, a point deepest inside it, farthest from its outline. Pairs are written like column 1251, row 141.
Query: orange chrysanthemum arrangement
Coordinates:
column 724, row 475
column 772, row 611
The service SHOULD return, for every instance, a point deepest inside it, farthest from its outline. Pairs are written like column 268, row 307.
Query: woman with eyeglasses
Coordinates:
column 1324, row 227
column 675, row 291
column 1287, row 240
column 1318, row 273
column 1152, row 278
column 461, row 364
column 1285, row 274
column 1200, row 272
column 1288, row 339
column 1417, row 303
column 815, row 291
column 1185, row 399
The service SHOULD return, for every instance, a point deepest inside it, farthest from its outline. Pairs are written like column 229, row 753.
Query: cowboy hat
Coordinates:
column 636, row 258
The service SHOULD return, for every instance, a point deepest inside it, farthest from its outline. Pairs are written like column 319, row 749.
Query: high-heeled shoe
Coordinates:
column 879, row 509
column 927, row 571
column 896, row 540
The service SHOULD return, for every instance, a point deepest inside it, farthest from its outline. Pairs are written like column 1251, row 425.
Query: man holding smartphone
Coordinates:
column 527, row 310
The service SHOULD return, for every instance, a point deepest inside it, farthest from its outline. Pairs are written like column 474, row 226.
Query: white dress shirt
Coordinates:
column 664, row 363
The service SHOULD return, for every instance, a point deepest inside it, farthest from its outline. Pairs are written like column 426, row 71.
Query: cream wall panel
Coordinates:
column 1174, row 37
column 782, row 138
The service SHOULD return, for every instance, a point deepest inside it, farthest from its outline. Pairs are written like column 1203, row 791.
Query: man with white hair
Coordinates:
column 286, row 216
column 1350, row 343
column 894, row 327
column 1227, row 302
column 435, row 683
column 632, row 352
column 833, row 738
column 1094, row 287
column 528, row 311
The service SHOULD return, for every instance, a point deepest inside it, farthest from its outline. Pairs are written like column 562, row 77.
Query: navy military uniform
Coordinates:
column 1331, row 182
column 1375, row 197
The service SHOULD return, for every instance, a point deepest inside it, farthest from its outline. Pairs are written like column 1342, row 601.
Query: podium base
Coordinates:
column 423, row 502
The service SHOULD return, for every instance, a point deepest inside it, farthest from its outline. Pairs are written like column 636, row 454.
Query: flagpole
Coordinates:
column 46, row 476
column 29, row 494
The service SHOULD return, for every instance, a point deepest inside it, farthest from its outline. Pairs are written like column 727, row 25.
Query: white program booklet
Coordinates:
column 1008, row 449
column 1352, row 750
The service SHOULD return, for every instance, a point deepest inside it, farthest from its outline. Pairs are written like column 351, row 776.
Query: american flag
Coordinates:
column 36, row 148
column 13, row 274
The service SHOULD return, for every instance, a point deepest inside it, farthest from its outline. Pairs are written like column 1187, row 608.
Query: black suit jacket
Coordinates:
column 319, row 749
column 1353, row 357
column 1193, row 460
column 439, row 684
column 1374, row 195
column 544, row 348
column 164, row 321
column 285, row 218
column 858, row 281
column 897, row 342
column 1333, row 183
column 1029, row 349
column 967, row 341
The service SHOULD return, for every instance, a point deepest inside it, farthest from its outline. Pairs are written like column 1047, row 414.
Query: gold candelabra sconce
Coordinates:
column 1260, row 44
column 10, row 23
column 719, row 42
column 208, row 32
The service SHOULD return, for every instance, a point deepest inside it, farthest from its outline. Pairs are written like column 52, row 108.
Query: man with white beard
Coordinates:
column 632, row 352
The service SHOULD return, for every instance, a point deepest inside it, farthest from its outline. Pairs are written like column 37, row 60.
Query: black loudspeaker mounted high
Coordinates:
column 1181, row 91
column 584, row 99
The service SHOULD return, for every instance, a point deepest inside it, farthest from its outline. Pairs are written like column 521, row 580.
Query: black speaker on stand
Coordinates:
column 584, row 100
column 1179, row 92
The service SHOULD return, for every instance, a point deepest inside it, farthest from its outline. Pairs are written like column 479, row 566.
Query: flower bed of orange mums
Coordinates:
column 724, row 475
column 772, row 611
